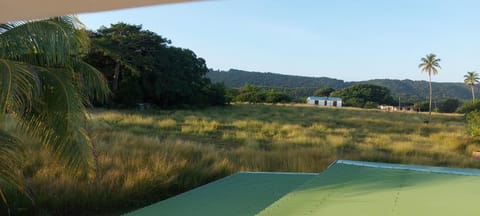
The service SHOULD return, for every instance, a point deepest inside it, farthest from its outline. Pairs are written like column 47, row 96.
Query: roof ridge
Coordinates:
column 418, row 168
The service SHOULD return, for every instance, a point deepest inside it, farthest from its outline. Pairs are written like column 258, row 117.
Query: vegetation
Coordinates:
column 449, row 106
column 430, row 65
column 473, row 124
column 364, row 95
column 297, row 87
column 470, row 80
column 122, row 160
column 253, row 94
column 237, row 78
column 147, row 157
column 468, row 107
column 325, row 92
column 142, row 67
column 45, row 89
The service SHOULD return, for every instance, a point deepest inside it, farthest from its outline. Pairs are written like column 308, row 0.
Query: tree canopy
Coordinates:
column 142, row 67
column 360, row 95
column 471, row 79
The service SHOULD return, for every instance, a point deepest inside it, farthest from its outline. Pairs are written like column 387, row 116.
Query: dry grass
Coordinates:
column 146, row 157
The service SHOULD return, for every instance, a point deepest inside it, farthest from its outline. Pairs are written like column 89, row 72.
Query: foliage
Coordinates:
column 473, row 123
column 358, row 95
column 371, row 105
column 421, row 106
column 253, row 94
column 430, row 65
column 470, row 80
column 45, row 88
column 237, row 78
column 146, row 157
column 325, row 92
column 468, row 107
column 142, row 67
column 449, row 105
column 296, row 87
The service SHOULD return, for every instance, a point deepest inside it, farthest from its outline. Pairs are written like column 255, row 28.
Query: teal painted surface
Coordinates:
column 239, row 194
column 346, row 189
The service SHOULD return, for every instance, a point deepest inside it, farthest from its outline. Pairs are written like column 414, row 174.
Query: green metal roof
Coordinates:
column 239, row 194
column 345, row 188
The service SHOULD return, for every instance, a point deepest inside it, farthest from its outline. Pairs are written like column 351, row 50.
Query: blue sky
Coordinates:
column 346, row 39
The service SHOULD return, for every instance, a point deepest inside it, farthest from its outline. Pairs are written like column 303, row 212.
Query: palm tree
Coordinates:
column 45, row 88
column 430, row 64
column 470, row 80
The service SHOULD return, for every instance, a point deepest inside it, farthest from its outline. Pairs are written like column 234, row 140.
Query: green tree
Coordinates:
column 470, row 80
column 359, row 95
column 449, row 105
column 142, row 67
column 323, row 92
column 430, row 65
column 45, row 88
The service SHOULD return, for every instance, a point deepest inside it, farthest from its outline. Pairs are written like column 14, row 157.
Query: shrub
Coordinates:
column 473, row 123
column 468, row 107
column 449, row 105
column 422, row 106
column 370, row 105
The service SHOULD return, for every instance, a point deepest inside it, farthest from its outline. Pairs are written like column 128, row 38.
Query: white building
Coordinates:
column 325, row 101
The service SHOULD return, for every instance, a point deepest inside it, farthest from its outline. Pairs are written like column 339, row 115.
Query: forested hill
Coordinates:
column 237, row 78
column 419, row 89
column 414, row 90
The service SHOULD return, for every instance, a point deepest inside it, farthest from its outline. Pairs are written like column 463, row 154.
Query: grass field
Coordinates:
column 149, row 156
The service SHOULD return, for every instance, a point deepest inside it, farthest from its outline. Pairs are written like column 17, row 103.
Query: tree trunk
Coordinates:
column 430, row 103
column 116, row 75
column 473, row 93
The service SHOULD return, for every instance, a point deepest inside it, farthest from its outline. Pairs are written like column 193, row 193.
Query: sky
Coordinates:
column 352, row 40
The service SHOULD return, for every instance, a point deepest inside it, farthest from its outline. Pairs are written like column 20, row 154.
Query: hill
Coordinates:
column 237, row 78
column 409, row 89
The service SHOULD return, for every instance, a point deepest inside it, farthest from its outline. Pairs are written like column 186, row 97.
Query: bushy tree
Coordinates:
column 274, row 96
column 421, row 106
column 468, row 107
column 323, row 92
column 142, row 67
column 449, row 105
column 358, row 95
column 254, row 94
column 473, row 123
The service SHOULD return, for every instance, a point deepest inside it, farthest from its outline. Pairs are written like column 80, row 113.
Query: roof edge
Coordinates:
column 418, row 168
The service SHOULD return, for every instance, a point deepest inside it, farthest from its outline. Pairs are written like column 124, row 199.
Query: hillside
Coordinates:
column 409, row 89
column 237, row 78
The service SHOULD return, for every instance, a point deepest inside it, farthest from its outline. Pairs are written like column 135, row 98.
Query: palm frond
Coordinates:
column 58, row 118
column 18, row 85
column 92, row 82
column 46, row 87
column 49, row 42
column 9, row 166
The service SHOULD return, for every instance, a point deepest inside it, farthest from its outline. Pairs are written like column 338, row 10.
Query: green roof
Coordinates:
column 239, row 194
column 345, row 188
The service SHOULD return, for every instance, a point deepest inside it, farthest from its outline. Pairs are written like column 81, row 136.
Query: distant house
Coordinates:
column 325, row 101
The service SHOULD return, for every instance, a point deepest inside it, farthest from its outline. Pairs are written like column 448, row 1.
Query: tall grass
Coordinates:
column 149, row 156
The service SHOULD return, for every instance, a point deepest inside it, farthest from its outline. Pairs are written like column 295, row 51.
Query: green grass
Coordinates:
column 149, row 156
